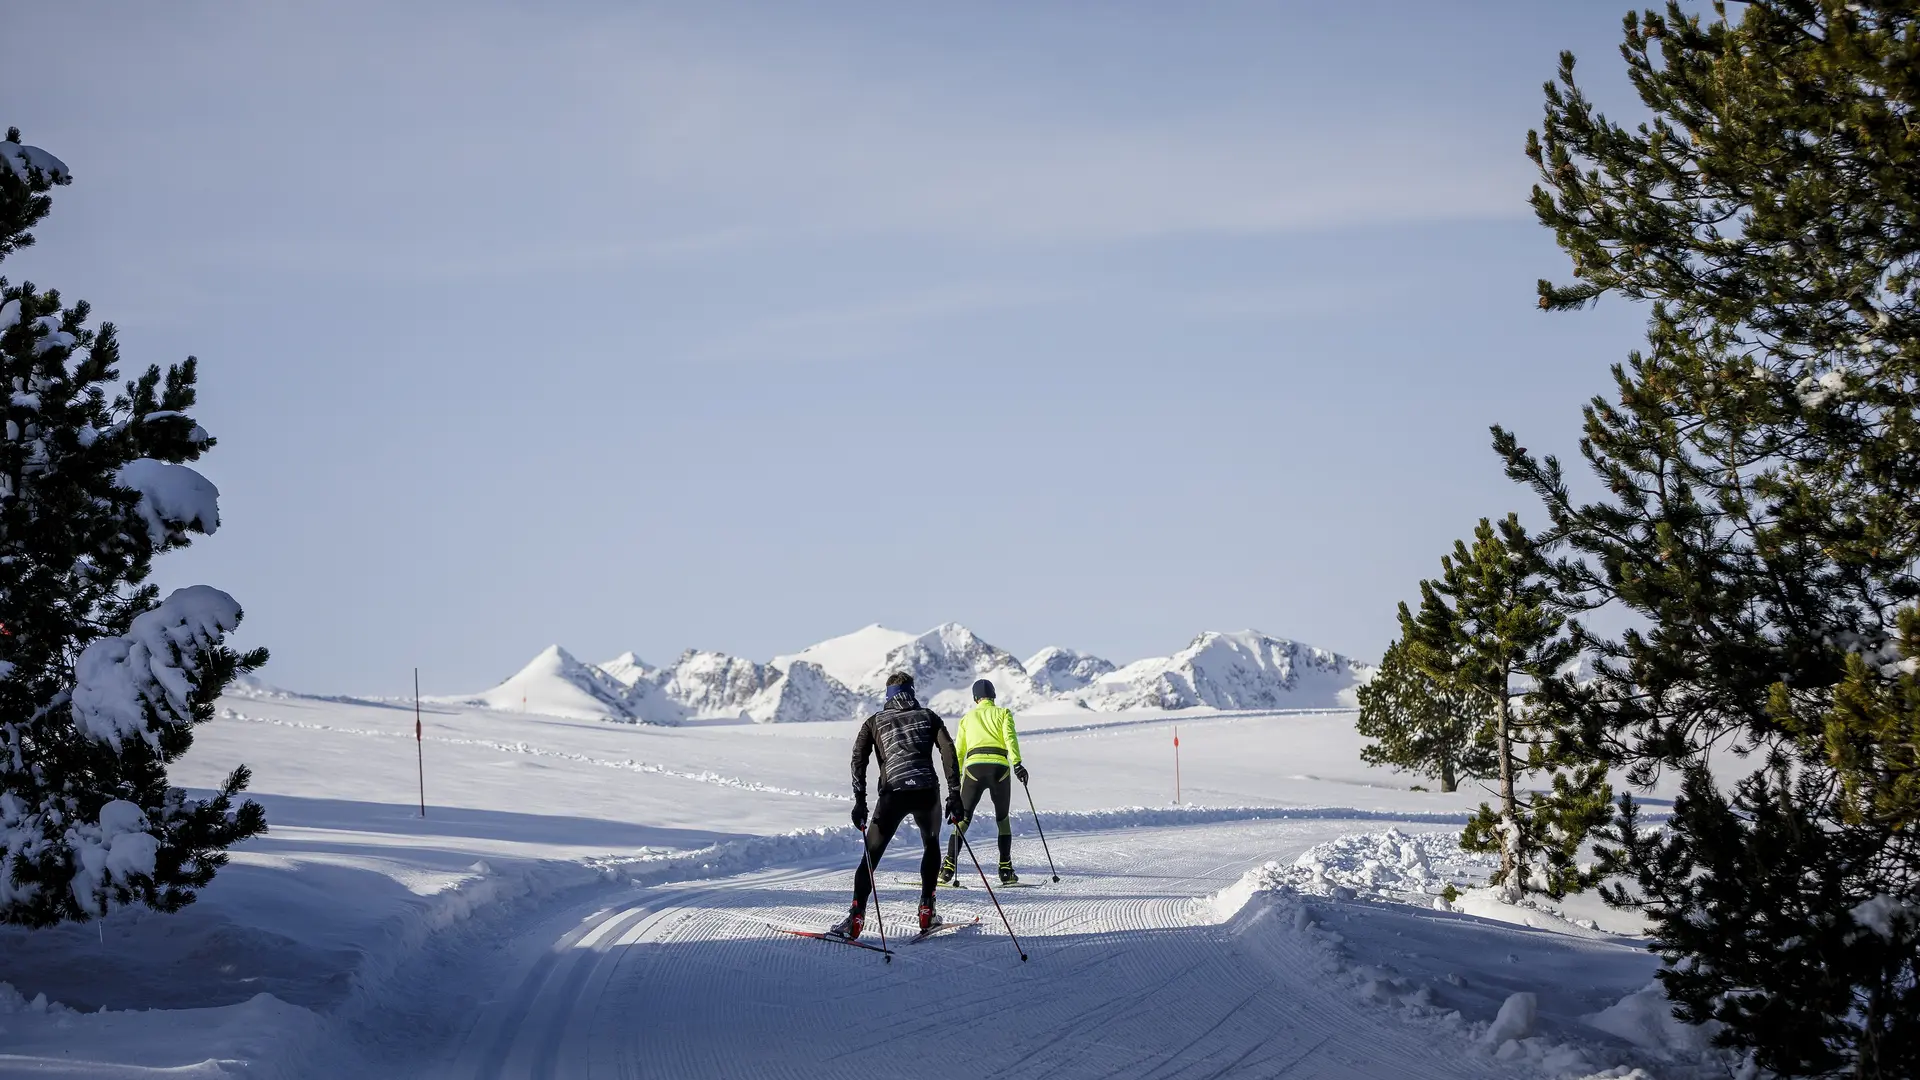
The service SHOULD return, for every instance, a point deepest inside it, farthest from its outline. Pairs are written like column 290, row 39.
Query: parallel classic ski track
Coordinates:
column 1124, row 983
column 523, row 1035
column 1128, row 979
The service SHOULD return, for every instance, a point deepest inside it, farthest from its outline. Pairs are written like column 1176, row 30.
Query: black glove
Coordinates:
column 956, row 813
column 1020, row 772
column 860, row 812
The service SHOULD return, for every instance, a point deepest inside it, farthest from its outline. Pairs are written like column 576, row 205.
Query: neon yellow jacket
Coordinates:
column 986, row 736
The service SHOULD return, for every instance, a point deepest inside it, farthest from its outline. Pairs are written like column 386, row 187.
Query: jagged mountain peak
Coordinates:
column 1057, row 670
column 1244, row 669
column 944, row 662
column 804, row 691
column 711, row 683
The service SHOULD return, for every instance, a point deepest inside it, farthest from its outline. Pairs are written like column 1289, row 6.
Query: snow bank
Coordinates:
column 1537, row 913
column 1410, row 868
column 1515, row 1020
column 1391, row 865
column 1279, row 908
column 244, row 1039
column 1645, row 1019
column 738, row 856
column 1267, row 912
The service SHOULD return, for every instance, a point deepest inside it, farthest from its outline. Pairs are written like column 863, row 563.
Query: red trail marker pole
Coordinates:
column 1176, row 766
column 419, row 743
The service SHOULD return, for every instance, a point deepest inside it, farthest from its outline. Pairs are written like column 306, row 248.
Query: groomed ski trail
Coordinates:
column 1129, row 978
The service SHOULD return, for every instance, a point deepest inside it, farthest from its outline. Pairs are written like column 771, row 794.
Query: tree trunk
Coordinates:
column 1509, row 812
column 1446, row 774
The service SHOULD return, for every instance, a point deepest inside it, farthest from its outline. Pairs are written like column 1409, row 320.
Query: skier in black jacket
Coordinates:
column 903, row 735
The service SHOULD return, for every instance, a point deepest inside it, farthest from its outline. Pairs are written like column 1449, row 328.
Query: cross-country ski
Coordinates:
column 537, row 538
column 838, row 939
column 966, row 923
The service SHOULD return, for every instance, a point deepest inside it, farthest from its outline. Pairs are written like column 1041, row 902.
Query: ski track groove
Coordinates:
column 522, row 1035
column 1128, row 978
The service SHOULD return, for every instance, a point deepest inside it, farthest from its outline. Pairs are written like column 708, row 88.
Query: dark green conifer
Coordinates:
column 1761, row 518
column 101, row 680
column 1493, row 623
column 1430, row 725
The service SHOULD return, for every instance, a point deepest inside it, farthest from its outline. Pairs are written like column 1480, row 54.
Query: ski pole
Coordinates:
column 995, row 899
column 1043, row 832
column 873, row 885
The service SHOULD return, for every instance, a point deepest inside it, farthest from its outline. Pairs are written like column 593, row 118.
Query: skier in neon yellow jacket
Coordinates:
column 989, row 750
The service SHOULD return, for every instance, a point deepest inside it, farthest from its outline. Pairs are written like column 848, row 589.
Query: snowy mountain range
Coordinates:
column 845, row 678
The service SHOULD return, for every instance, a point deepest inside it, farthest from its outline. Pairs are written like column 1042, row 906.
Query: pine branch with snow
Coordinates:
column 101, row 680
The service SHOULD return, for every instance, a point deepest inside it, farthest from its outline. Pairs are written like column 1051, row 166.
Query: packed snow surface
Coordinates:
column 594, row 899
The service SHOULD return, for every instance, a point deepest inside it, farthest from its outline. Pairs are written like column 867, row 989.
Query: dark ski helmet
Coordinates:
column 982, row 690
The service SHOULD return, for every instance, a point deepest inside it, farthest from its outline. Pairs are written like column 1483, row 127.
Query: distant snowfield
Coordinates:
column 586, row 898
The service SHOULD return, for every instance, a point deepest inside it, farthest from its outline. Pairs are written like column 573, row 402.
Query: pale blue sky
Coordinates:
column 740, row 326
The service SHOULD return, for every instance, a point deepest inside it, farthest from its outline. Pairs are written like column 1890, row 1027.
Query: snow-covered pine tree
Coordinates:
column 1432, row 726
column 1493, row 622
column 1761, row 522
column 101, row 681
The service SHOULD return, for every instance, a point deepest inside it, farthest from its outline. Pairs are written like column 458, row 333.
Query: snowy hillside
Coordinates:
column 849, row 657
column 628, row 668
column 1244, row 670
column 555, row 684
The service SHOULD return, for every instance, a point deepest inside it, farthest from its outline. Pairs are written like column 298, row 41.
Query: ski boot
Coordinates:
column 1007, row 876
column 928, row 917
column 850, row 926
column 946, row 872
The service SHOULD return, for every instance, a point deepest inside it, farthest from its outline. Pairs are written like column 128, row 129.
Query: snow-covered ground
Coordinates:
column 586, row 898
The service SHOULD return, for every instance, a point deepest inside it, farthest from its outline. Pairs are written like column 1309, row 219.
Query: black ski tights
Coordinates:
column 978, row 780
column 888, row 813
